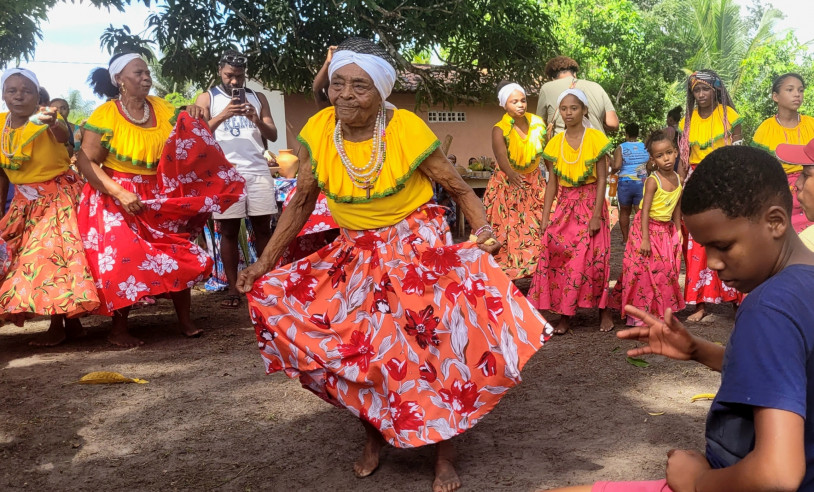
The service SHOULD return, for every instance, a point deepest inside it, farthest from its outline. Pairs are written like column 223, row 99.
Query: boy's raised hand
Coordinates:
column 668, row 338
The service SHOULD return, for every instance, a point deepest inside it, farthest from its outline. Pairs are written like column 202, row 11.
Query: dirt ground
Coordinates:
column 210, row 419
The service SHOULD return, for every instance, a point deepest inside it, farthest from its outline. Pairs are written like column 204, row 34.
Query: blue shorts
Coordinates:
column 629, row 192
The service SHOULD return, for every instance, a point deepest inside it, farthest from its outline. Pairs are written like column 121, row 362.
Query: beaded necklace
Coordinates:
column 127, row 115
column 562, row 147
column 785, row 135
column 364, row 177
column 7, row 139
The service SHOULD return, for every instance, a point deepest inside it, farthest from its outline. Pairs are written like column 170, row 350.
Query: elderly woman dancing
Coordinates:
column 150, row 190
column 43, row 269
column 417, row 337
column 515, row 196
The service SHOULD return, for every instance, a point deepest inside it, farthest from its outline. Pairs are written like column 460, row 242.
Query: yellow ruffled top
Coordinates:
column 572, row 166
column 770, row 134
column 131, row 148
column 524, row 153
column 37, row 155
column 399, row 190
column 707, row 134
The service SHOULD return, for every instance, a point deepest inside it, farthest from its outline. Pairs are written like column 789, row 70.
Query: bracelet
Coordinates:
column 483, row 229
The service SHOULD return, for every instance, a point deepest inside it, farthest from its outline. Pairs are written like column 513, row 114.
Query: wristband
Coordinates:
column 483, row 229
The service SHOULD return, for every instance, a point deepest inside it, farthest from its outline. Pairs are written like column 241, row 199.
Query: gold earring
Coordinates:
column 122, row 90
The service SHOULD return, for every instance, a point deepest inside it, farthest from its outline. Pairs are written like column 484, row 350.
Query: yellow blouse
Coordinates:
column 38, row 156
column 664, row 202
column 575, row 167
column 398, row 191
column 707, row 134
column 131, row 148
column 770, row 134
column 524, row 153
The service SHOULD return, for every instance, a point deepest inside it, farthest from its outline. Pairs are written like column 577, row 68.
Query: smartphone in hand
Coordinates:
column 239, row 95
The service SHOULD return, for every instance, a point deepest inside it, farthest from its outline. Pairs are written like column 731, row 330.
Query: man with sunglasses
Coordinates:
column 241, row 123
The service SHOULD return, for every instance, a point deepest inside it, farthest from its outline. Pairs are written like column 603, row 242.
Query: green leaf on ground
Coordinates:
column 637, row 362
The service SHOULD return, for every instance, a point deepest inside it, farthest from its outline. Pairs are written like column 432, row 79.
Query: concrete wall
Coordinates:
column 469, row 139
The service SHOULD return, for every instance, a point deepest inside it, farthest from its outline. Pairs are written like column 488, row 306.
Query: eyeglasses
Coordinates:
column 235, row 60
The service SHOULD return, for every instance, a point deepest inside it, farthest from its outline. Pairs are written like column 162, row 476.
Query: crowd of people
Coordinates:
column 417, row 336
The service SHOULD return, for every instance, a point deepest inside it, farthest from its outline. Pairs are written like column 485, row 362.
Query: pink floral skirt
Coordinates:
column 152, row 253
column 650, row 283
column 515, row 215
column 574, row 267
column 417, row 336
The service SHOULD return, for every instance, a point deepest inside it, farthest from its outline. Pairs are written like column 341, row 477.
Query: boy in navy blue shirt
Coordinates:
column 737, row 204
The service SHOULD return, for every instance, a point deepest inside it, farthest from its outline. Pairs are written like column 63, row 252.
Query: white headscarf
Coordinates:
column 118, row 65
column 382, row 72
column 506, row 91
column 574, row 92
column 19, row 71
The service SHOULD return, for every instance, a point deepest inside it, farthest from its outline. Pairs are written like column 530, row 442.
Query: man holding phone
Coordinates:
column 241, row 121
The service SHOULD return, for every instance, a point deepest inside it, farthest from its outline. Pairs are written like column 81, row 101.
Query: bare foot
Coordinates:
column 446, row 479
column 120, row 336
column 605, row 320
column 563, row 326
column 54, row 336
column 74, row 328
column 369, row 461
column 699, row 313
column 190, row 331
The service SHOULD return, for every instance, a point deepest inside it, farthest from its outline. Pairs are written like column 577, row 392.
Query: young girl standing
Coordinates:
column 573, row 268
column 516, row 192
column 652, row 263
column 43, row 269
column 787, row 126
column 712, row 124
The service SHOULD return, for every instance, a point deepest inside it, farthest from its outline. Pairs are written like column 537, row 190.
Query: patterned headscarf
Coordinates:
column 712, row 80
column 371, row 58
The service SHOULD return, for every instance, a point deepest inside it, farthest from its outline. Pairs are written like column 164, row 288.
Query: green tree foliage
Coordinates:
column 80, row 108
column 485, row 41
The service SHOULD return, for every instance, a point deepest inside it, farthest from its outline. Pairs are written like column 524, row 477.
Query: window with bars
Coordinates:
column 446, row 117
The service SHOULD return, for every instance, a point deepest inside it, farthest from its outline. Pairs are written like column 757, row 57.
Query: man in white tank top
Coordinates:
column 240, row 128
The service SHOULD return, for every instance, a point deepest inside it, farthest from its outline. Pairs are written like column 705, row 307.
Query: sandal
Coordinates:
column 232, row 301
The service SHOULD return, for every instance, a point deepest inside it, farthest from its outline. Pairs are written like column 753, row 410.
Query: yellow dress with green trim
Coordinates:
column 707, row 134
column 770, row 134
column 399, row 190
column 38, row 157
column 583, row 170
column 524, row 153
column 132, row 148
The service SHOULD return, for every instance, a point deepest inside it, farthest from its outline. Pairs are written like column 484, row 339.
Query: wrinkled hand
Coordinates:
column 684, row 467
column 644, row 249
column 487, row 242
column 48, row 116
column 668, row 338
column 196, row 112
column 516, row 180
column 247, row 276
column 130, row 202
column 594, row 225
column 330, row 55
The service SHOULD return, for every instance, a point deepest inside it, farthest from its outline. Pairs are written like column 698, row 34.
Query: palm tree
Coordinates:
column 80, row 108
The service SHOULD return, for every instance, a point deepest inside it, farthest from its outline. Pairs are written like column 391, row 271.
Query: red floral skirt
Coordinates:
column 152, row 253
column 42, row 261
column 702, row 284
column 515, row 215
column 650, row 283
column 314, row 234
column 419, row 337
column 574, row 267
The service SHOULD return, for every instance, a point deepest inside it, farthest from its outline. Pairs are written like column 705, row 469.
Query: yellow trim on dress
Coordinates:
column 707, row 134
column 399, row 191
column 38, row 157
column 594, row 146
column 770, row 134
column 131, row 148
column 524, row 153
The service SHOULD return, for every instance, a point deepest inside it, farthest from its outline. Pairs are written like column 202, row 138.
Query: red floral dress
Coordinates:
column 151, row 253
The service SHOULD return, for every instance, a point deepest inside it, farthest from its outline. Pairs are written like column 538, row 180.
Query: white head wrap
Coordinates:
column 506, row 91
column 582, row 97
column 118, row 65
column 382, row 72
column 574, row 92
column 19, row 71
